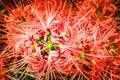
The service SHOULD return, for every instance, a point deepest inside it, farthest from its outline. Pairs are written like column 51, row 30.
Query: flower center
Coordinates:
column 49, row 45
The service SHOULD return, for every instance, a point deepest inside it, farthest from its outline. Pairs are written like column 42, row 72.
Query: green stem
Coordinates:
column 48, row 36
column 41, row 40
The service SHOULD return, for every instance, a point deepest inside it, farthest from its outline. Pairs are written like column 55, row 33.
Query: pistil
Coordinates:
column 49, row 45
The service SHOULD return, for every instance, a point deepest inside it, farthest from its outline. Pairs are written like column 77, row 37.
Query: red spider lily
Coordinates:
column 54, row 37
column 33, row 41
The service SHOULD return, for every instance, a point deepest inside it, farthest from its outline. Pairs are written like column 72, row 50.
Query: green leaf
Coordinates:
column 117, row 14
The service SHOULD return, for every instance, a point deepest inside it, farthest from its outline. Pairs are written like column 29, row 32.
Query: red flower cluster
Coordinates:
column 58, row 40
